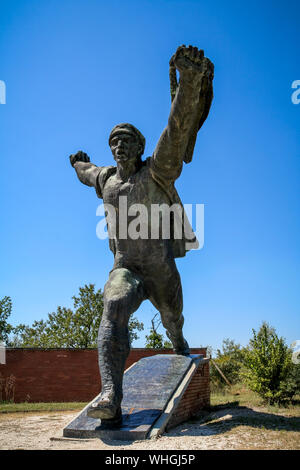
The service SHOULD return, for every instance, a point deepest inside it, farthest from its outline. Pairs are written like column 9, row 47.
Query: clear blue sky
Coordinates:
column 75, row 68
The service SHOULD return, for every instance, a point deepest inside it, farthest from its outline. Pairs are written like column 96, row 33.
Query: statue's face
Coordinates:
column 125, row 147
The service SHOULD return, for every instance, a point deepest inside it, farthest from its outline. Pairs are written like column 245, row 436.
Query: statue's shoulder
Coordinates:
column 105, row 172
column 160, row 176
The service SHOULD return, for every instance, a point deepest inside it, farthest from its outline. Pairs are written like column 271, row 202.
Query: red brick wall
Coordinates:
column 195, row 397
column 61, row 375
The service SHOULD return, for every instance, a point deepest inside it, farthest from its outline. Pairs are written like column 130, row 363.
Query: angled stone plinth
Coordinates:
column 152, row 390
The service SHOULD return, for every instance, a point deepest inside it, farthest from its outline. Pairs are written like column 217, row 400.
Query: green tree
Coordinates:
column 156, row 340
column 67, row 328
column 269, row 368
column 5, row 312
column 134, row 326
column 230, row 361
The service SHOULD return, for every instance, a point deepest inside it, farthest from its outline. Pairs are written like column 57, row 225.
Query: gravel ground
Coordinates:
column 229, row 428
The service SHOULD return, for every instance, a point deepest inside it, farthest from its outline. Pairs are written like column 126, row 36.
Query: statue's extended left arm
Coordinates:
column 190, row 107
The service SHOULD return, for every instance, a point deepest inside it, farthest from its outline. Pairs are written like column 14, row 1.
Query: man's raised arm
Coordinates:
column 87, row 172
column 189, row 110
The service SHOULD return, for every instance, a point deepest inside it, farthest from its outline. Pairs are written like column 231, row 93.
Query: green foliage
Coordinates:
column 5, row 312
column 156, row 340
column 292, row 382
column 269, row 368
column 134, row 326
column 230, row 360
column 67, row 328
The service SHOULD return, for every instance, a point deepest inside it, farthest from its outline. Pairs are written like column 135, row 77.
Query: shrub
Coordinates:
column 269, row 368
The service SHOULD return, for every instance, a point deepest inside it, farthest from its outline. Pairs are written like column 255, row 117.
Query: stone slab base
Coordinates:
column 158, row 392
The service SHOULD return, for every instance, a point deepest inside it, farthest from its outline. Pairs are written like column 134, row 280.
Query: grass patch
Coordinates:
column 235, row 394
column 239, row 395
column 35, row 407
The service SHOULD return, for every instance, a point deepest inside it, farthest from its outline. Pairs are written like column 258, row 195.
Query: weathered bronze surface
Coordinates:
column 145, row 268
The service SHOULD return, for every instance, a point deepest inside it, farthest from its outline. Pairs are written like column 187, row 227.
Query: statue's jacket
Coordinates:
column 165, row 192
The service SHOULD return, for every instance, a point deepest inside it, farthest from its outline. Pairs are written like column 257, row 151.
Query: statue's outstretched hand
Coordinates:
column 79, row 157
column 192, row 59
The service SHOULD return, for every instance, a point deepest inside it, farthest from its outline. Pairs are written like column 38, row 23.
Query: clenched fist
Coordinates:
column 79, row 157
column 192, row 59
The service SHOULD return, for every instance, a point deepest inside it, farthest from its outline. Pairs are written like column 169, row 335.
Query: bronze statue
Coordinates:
column 145, row 268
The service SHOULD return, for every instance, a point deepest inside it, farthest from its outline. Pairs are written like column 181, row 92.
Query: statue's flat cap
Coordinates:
column 125, row 128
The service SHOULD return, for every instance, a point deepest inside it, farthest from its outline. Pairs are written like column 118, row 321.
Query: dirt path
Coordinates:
column 228, row 428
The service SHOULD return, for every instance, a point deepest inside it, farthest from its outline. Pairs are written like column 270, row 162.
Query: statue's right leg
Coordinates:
column 123, row 294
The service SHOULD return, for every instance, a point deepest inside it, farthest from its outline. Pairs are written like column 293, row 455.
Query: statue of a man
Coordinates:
column 145, row 268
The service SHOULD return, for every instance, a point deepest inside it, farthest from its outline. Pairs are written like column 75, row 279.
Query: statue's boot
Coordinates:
column 107, row 408
column 180, row 345
column 182, row 349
